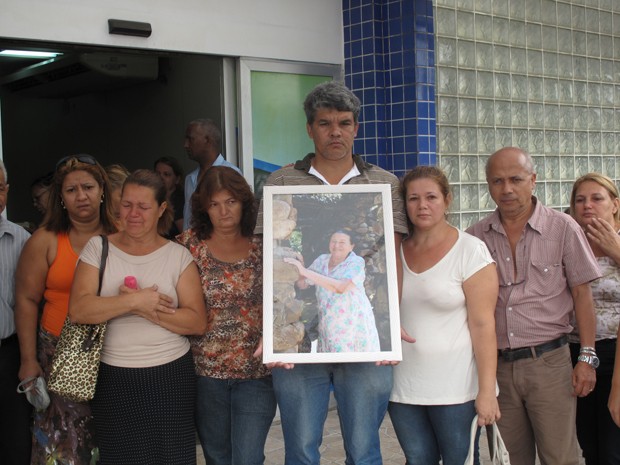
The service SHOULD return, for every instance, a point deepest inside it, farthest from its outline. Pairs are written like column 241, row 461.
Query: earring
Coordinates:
column 63, row 204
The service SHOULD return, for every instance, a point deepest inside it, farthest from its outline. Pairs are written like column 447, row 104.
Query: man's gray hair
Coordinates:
column 211, row 130
column 331, row 95
column 3, row 169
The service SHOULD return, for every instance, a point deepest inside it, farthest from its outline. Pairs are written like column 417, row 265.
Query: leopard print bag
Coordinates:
column 75, row 365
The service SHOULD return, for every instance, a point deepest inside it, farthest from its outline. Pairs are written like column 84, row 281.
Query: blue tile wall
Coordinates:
column 389, row 64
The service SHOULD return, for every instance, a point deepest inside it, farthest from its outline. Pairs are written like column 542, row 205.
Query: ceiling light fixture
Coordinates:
column 28, row 54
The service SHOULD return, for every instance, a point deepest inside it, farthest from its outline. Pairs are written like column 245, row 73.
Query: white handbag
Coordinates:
column 497, row 448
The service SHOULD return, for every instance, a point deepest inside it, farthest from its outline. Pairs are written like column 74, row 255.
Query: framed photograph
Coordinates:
column 330, row 289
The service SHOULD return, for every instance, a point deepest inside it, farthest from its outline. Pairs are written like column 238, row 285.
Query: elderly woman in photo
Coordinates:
column 346, row 319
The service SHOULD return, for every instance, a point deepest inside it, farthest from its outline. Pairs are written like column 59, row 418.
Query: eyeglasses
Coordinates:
column 88, row 159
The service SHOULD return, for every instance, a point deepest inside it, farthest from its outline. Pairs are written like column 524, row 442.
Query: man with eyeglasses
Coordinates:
column 15, row 435
column 545, row 266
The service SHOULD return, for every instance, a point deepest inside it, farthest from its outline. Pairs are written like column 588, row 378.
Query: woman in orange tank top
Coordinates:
column 79, row 208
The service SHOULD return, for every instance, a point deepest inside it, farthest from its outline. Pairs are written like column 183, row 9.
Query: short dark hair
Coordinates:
column 332, row 95
column 216, row 179
column 347, row 232
column 150, row 179
column 56, row 218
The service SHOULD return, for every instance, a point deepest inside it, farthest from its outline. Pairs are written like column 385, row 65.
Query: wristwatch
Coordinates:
column 590, row 359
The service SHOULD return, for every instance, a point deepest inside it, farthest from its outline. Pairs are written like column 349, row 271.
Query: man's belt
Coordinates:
column 510, row 355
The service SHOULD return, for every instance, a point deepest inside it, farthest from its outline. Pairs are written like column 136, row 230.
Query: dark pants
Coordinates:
column 599, row 436
column 15, row 411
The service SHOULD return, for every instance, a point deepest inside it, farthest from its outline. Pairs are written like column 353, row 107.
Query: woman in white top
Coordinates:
column 448, row 301
column 145, row 397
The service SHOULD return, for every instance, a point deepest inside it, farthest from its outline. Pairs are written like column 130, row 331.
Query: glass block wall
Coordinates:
column 543, row 75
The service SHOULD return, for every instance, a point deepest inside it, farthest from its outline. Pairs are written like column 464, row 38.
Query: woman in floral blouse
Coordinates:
column 595, row 205
column 236, row 403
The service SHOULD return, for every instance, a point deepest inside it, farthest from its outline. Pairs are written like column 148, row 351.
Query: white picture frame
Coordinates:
column 298, row 218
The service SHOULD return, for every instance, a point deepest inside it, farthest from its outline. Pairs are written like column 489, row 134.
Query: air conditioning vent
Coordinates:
column 72, row 75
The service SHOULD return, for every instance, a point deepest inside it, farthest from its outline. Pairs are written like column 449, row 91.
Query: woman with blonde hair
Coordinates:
column 595, row 205
column 116, row 175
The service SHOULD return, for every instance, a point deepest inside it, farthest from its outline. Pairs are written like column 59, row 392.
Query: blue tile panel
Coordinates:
column 390, row 65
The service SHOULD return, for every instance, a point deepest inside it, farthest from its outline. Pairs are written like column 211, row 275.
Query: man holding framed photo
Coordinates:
column 361, row 390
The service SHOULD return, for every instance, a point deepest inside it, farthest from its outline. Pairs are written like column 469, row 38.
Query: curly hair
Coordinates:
column 216, row 179
column 56, row 218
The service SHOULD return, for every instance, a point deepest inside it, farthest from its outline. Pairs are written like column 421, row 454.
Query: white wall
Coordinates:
column 300, row 30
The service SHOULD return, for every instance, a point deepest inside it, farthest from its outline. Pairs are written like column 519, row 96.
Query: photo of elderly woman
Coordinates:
column 346, row 322
column 330, row 279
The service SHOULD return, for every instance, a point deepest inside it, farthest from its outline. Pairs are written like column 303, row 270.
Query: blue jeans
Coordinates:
column 362, row 391
column 427, row 433
column 233, row 417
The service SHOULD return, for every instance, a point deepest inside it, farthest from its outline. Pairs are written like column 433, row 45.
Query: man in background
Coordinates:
column 15, row 411
column 203, row 141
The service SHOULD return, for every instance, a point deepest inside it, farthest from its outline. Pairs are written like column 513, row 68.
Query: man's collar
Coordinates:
column 495, row 220
column 305, row 163
column 535, row 218
column 4, row 226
